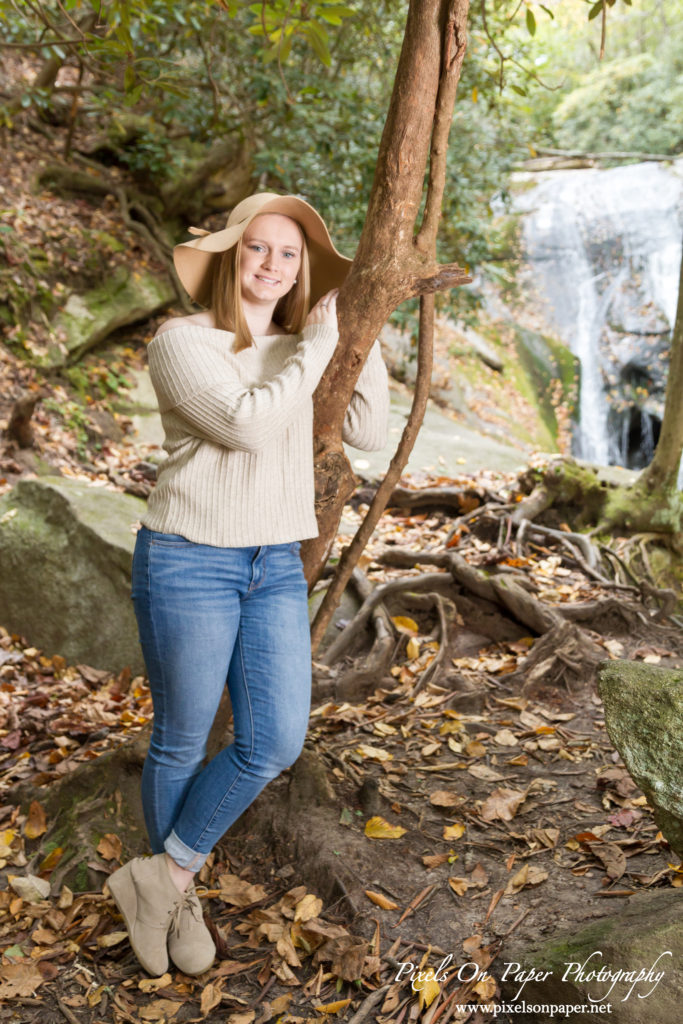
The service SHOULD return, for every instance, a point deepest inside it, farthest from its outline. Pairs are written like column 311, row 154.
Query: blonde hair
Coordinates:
column 226, row 297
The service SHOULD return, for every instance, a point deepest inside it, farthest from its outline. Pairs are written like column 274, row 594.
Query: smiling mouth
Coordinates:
column 267, row 280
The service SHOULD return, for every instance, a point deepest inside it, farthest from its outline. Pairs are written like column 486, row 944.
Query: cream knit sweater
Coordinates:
column 239, row 432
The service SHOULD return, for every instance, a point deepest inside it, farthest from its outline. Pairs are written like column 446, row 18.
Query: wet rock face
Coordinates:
column 603, row 249
column 644, row 719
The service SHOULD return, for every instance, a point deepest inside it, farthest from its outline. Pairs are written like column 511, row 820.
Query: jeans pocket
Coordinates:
column 168, row 540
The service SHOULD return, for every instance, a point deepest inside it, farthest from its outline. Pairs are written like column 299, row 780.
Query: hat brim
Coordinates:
column 195, row 260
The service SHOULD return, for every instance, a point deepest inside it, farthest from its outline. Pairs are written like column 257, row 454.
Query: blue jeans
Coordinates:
column 208, row 617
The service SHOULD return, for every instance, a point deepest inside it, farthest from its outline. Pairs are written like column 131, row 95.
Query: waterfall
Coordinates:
column 602, row 252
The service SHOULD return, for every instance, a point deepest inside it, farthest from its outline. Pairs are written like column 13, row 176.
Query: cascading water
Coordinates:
column 603, row 251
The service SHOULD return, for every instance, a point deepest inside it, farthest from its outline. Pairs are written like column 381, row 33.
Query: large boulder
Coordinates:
column 628, row 964
column 124, row 297
column 65, row 561
column 644, row 719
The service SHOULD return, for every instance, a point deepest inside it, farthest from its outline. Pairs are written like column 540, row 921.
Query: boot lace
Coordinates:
column 187, row 904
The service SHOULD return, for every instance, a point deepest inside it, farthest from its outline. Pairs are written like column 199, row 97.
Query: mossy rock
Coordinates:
column 645, row 937
column 65, row 562
column 125, row 298
column 644, row 719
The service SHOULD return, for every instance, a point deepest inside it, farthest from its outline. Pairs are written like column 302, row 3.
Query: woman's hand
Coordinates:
column 325, row 310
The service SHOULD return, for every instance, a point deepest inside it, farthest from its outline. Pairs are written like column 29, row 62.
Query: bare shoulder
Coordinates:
column 203, row 319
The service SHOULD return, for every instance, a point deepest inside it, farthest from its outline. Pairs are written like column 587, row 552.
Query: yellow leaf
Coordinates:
column 382, row 901
column 454, row 831
column 340, row 1004
column 36, row 823
column 404, row 624
column 378, row 828
column 428, row 991
column 475, row 95
column 413, row 648
column 154, row 984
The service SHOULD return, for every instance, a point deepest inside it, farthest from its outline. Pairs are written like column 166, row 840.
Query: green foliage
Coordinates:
column 627, row 104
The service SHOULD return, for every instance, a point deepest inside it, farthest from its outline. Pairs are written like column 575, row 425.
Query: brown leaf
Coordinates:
column 36, row 823
column 433, row 860
column 159, row 1010
column 612, row 856
column 478, row 876
column 444, row 798
column 154, row 984
column 212, row 995
column 110, row 847
column 459, row 885
column 19, row 980
column 502, row 803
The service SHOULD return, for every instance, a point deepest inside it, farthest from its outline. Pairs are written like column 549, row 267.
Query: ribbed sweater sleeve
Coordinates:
column 367, row 417
column 194, row 379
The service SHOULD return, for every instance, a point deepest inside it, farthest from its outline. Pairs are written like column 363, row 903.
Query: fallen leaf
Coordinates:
column 444, row 798
column 335, row 1007
column 379, row 828
column 154, row 984
column 112, row 939
column 308, row 907
column 528, row 874
column 381, row 901
column 434, row 860
column 30, row 887
column 612, row 856
column 404, row 624
column 110, row 847
column 212, row 995
column 502, row 803
column 454, row 831
column 482, row 771
column 375, row 753
column 36, row 823
column 459, row 885
column 160, row 1010
column 505, row 738
column 413, row 649
column 19, row 980
column 479, row 877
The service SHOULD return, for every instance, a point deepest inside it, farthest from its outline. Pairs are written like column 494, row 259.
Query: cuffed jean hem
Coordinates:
column 183, row 855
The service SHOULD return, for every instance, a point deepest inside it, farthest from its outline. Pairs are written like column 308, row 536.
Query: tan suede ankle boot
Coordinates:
column 190, row 945
column 147, row 897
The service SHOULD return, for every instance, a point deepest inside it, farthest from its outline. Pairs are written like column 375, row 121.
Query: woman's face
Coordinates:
column 271, row 258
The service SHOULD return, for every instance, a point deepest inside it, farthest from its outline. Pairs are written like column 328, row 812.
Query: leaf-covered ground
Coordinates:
column 470, row 810
column 473, row 797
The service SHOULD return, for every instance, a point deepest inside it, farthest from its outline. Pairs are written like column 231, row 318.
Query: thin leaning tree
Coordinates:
column 396, row 260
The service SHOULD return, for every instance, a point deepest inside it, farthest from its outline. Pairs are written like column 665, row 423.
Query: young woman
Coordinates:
column 218, row 585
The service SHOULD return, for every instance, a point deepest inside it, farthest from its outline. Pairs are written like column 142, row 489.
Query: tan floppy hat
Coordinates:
column 195, row 260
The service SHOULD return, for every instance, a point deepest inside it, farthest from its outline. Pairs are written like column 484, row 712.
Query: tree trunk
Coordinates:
column 395, row 259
